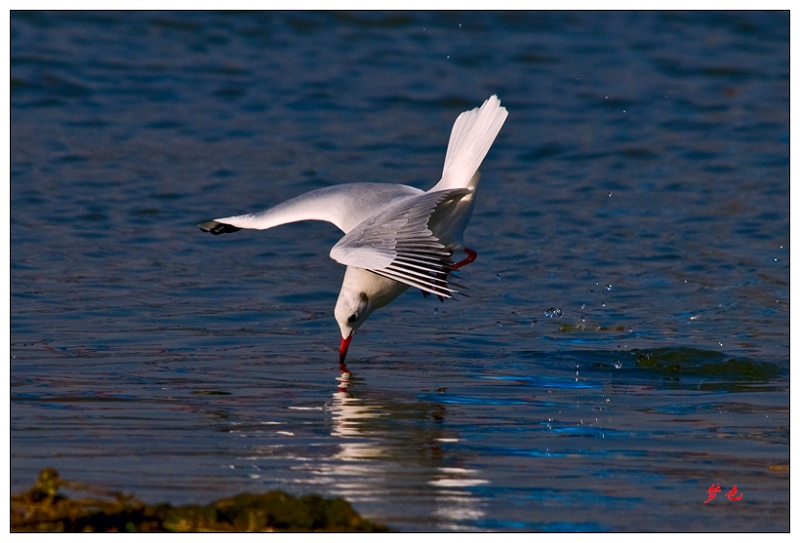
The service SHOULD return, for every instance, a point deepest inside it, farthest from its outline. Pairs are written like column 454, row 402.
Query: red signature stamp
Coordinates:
column 713, row 490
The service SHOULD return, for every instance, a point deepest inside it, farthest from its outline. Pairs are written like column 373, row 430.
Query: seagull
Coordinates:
column 396, row 236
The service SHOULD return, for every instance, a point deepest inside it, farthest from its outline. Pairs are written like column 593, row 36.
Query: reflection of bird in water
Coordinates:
column 396, row 236
column 386, row 447
column 349, row 415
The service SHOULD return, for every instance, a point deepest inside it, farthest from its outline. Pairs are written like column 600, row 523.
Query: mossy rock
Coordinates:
column 44, row 508
column 272, row 511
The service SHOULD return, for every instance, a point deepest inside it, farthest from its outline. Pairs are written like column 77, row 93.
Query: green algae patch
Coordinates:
column 45, row 508
column 690, row 361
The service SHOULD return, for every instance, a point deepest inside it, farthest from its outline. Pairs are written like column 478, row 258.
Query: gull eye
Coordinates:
column 352, row 318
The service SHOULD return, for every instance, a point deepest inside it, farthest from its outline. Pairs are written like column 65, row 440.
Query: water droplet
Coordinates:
column 435, row 310
column 617, row 364
column 583, row 306
column 553, row 312
column 499, row 276
column 608, row 287
column 459, row 25
column 610, row 193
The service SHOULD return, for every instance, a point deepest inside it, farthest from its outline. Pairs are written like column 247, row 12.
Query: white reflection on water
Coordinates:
column 454, row 500
column 360, row 472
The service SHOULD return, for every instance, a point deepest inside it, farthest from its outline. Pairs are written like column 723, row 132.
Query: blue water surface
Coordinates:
column 625, row 342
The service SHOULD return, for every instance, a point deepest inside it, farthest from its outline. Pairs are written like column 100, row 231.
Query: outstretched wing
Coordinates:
column 345, row 206
column 397, row 244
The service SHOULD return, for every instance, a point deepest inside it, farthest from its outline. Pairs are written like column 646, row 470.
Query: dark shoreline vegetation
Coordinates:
column 45, row 508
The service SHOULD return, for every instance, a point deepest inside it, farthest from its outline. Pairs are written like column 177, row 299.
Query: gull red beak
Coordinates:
column 343, row 348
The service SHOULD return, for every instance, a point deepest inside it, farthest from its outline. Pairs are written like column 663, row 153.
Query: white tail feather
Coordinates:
column 473, row 134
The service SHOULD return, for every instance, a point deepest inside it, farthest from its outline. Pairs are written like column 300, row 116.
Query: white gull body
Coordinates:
column 396, row 236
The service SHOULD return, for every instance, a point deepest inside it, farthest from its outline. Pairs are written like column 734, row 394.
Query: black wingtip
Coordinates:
column 217, row 228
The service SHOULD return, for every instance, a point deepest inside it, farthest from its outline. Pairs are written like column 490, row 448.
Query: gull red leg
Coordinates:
column 471, row 256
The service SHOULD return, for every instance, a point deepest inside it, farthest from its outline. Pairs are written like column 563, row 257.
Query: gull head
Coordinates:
column 362, row 293
column 352, row 309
